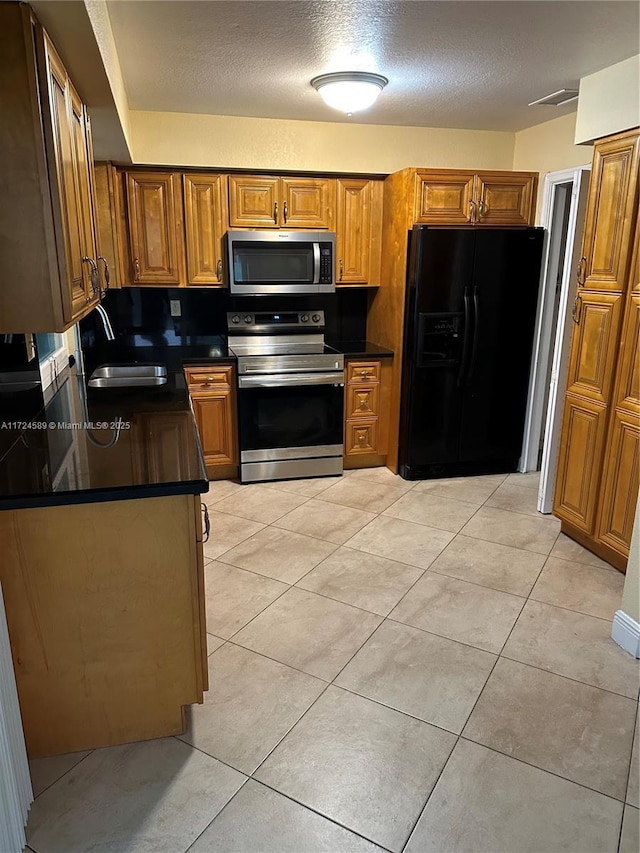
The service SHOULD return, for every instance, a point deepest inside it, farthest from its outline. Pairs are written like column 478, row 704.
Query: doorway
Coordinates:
column 564, row 204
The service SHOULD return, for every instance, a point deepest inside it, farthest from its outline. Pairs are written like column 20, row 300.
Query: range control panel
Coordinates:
column 263, row 321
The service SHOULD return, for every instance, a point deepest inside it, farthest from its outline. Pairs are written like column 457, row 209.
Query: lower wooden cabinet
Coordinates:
column 366, row 412
column 213, row 397
column 105, row 608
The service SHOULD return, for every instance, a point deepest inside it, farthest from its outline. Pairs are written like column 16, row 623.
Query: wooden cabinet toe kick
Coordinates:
column 105, row 607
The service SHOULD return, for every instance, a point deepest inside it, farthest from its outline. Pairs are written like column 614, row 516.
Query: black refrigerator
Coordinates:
column 469, row 319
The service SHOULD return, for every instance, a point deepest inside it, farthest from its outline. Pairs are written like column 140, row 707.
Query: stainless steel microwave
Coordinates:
column 265, row 262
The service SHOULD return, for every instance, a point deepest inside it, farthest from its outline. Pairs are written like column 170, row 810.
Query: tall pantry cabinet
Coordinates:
column 597, row 484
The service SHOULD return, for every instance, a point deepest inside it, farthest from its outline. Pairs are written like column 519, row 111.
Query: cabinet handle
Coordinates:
column 341, row 266
column 107, row 274
column 582, row 270
column 472, row 212
column 577, row 309
column 219, row 269
column 285, row 211
column 275, row 212
column 136, row 264
column 362, row 437
column 363, row 404
column 364, row 373
column 482, row 209
column 207, row 522
column 94, row 276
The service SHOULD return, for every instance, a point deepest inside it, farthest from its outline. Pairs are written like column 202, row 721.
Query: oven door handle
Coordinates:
column 291, row 379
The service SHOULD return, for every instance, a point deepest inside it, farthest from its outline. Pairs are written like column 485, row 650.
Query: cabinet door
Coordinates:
column 594, row 345
column 155, row 224
column 444, row 198
column 206, row 217
column 622, row 459
column 578, row 479
column 307, row 202
column 165, row 456
column 253, row 201
column 82, row 167
column 353, row 231
column 216, row 424
column 65, row 182
column 505, row 199
column 611, row 209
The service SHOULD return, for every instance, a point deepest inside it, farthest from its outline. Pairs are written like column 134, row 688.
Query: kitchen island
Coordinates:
column 102, row 566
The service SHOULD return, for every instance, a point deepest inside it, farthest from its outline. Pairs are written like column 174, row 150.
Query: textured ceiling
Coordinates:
column 450, row 64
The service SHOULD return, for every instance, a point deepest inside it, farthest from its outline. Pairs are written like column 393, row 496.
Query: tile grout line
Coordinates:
column 217, row 814
column 55, row 781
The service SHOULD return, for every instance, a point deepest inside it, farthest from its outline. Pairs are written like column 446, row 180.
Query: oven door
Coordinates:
column 291, row 418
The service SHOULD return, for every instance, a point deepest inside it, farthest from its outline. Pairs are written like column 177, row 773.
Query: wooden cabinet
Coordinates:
column 257, row 201
column 154, row 203
column 49, row 258
column 366, row 412
column 452, row 197
column 105, row 607
column 213, row 397
column 597, row 482
column 206, row 217
column 358, row 231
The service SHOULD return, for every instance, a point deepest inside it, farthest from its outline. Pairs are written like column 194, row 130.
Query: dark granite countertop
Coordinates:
column 90, row 445
column 361, row 349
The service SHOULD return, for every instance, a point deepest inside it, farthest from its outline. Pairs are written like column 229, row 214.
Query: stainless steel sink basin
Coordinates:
column 128, row 375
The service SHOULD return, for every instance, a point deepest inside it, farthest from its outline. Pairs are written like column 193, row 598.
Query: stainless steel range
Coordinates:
column 290, row 395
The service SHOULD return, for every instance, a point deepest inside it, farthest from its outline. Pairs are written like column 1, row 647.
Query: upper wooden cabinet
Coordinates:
column 154, row 202
column 206, row 217
column 452, row 197
column 358, row 231
column 611, row 211
column 257, row 201
column 49, row 257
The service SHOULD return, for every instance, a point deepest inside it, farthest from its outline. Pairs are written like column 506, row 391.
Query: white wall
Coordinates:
column 609, row 101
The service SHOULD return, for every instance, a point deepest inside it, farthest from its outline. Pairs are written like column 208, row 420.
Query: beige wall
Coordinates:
column 250, row 143
column 549, row 147
column 609, row 101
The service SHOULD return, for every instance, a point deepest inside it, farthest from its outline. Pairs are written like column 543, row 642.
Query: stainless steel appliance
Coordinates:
column 290, row 395
column 272, row 262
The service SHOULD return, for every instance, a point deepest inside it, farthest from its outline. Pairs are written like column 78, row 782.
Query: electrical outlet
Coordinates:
column 176, row 308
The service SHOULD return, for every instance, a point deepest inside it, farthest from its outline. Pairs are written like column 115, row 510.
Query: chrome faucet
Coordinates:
column 106, row 322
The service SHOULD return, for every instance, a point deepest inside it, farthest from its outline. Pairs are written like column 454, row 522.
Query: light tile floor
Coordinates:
column 393, row 666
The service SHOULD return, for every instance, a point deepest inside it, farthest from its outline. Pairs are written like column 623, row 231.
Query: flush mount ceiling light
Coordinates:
column 349, row 91
column 556, row 99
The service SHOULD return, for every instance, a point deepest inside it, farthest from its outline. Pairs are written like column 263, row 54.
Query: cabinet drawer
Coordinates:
column 362, row 400
column 203, row 377
column 363, row 371
column 361, row 436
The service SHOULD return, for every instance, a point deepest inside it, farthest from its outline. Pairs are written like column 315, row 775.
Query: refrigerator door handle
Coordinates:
column 476, row 329
column 466, row 338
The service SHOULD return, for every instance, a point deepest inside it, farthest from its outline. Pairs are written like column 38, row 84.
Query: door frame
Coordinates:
column 552, row 344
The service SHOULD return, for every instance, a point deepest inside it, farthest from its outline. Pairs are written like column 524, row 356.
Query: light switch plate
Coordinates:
column 176, row 308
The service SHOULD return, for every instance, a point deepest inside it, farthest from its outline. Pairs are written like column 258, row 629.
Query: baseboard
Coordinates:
column 626, row 633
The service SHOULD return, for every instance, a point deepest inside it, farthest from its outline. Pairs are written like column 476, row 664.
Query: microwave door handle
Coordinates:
column 316, row 263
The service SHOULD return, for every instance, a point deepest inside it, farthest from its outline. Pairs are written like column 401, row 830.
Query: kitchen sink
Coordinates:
column 128, row 376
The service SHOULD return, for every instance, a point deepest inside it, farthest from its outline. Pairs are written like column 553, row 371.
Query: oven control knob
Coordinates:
column 316, row 318
column 235, row 319
column 248, row 318
column 304, row 318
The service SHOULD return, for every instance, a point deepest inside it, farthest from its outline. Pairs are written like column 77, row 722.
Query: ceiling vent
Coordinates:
column 557, row 99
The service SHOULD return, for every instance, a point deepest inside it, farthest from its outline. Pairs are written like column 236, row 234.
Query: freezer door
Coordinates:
column 504, row 296
column 437, row 327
